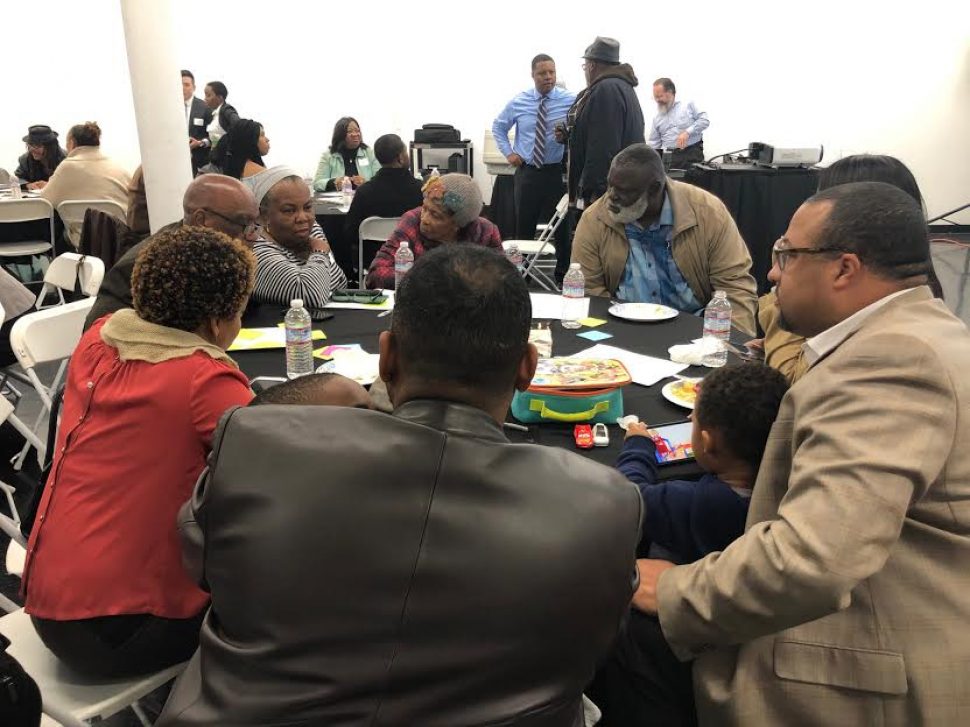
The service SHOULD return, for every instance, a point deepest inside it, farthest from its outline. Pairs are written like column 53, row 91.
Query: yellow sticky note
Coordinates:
column 591, row 322
column 249, row 334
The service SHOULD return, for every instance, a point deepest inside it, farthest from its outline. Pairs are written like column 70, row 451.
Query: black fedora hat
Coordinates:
column 40, row 134
column 603, row 49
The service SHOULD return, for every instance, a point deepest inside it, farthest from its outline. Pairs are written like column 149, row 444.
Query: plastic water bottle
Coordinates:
column 347, row 189
column 514, row 255
column 403, row 260
column 15, row 191
column 299, row 345
column 573, row 293
column 717, row 325
column 435, row 173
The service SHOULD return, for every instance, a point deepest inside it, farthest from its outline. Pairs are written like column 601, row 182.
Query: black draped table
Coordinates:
column 761, row 200
column 653, row 339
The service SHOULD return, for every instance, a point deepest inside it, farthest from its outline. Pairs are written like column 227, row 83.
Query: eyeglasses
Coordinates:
column 247, row 229
column 781, row 255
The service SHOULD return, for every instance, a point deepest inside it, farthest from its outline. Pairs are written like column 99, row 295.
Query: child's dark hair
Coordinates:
column 741, row 401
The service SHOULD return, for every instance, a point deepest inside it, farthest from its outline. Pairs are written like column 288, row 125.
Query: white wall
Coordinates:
column 853, row 76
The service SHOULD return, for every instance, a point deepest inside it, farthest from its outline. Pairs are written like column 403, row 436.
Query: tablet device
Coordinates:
column 674, row 443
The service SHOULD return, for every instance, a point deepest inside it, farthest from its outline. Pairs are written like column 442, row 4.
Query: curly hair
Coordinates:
column 186, row 276
column 741, row 402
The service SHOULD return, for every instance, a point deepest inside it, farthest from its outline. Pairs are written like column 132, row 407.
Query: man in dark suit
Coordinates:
column 197, row 116
column 390, row 193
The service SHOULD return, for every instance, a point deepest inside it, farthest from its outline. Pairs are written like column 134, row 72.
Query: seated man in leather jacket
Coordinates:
column 413, row 568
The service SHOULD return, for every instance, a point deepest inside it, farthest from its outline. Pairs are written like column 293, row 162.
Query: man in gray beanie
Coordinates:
column 450, row 213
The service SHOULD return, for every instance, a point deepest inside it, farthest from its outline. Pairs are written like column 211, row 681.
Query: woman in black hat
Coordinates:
column 43, row 155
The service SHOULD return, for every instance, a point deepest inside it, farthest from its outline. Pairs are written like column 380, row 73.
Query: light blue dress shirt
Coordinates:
column 521, row 113
column 651, row 275
column 666, row 127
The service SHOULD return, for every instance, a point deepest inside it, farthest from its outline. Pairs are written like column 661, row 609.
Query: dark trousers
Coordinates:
column 537, row 192
column 121, row 646
column 642, row 683
column 683, row 158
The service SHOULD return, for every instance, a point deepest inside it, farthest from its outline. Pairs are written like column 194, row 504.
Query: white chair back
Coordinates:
column 26, row 209
column 68, row 269
column 50, row 334
column 372, row 228
column 72, row 212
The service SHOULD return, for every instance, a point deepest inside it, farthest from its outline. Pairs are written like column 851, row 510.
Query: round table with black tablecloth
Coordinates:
column 653, row 339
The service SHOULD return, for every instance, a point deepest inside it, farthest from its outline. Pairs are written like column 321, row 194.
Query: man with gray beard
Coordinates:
column 653, row 240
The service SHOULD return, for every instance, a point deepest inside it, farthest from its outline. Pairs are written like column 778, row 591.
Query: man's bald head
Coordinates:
column 221, row 203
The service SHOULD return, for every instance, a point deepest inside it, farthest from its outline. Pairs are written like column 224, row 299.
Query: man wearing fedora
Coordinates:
column 43, row 155
column 605, row 118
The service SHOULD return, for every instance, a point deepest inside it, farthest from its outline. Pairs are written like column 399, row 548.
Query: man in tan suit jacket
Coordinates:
column 847, row 601
column 702, row 242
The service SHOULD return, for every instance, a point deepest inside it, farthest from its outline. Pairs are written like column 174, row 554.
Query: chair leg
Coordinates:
column 140, row 714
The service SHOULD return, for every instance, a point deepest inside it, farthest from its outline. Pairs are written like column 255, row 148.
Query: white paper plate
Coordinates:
column 643, row 311
column 672, row 392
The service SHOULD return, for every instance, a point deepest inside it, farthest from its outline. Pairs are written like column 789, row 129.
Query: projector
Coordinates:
column 780, row 156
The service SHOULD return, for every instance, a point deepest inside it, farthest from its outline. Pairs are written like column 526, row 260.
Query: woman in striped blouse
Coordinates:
column 293, row 258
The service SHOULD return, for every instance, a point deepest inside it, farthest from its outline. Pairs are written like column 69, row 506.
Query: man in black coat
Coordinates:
column 390, row 193
column 198, row 116
column 605, row 118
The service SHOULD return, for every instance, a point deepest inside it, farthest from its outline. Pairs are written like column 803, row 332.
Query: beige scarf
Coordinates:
column 138, row 340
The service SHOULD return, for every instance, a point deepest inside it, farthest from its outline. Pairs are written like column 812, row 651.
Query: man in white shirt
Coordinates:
column 847, row 599
column 198, row 117
column 677, row 128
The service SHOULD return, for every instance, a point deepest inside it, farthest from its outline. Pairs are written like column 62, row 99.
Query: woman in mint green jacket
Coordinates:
column 348, row 156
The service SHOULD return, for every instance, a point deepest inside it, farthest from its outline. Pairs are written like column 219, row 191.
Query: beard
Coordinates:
column 626, row 215
column 662, row 108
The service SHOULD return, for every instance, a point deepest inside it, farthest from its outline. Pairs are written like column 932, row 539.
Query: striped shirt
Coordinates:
column 282, row 275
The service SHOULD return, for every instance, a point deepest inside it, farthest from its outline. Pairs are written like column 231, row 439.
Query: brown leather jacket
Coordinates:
column 406, row 569
column 707, row 248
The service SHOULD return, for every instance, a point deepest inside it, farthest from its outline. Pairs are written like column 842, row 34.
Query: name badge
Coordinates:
column 364, row 162
column 196, row 122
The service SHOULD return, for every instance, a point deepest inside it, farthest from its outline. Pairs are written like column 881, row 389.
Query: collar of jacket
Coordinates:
column 85, row 153
column 138, row 340
column 684, row 217
column 451, row 418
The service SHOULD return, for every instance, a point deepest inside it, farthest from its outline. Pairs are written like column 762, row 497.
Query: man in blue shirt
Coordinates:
column 678, row 126
column 536, row 154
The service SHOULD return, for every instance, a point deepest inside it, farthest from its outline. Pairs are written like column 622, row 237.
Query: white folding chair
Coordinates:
column 72, row 211
column 542, row 247
column 26, row 210
column 65, row 271
column 43, row 336
column 69, row 697
column 373, row 228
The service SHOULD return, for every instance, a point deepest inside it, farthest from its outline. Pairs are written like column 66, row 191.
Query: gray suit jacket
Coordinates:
column 847, row 601
column 406, row 569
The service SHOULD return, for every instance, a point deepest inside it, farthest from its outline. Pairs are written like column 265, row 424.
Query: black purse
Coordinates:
column 19, row 696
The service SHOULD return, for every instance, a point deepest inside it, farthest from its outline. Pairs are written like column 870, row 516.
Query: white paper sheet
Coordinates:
column 645, row 370
column 549, row 306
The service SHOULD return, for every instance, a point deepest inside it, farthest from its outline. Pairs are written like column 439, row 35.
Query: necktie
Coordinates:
column 539, row 149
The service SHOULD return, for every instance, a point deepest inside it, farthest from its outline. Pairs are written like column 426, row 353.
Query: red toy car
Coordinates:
column 583, row 434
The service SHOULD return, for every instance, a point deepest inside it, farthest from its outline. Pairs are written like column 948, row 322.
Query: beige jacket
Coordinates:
column 783, row 349
column 847, row 601
column 707, row 248
column 86, row 173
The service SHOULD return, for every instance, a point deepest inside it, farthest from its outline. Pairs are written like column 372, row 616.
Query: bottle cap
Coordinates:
column 296, row 303
column 404, row 245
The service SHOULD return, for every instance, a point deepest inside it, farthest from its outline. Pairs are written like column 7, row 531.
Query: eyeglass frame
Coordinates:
column 780, row 257
column 248, row 230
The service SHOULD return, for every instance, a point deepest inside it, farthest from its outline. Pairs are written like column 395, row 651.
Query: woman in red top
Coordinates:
column 104, row 581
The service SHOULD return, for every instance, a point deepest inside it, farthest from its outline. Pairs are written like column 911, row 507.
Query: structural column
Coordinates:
column 159, row 110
